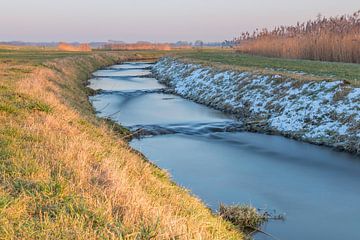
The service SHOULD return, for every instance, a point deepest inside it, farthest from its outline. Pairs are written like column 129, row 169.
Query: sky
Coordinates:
column 154, row 20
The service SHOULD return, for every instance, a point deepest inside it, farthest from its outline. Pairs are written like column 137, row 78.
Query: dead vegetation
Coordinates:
column 247, row 218
column 334, row 39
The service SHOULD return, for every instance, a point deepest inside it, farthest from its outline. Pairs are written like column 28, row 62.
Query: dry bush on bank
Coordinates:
column 245, row 217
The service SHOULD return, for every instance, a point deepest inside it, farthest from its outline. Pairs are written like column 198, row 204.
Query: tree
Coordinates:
column 199, row 43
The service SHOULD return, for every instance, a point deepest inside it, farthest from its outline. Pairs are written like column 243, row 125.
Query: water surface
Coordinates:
column 206, row 151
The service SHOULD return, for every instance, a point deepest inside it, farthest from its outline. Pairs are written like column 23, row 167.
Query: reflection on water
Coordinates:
column 143, row 108
column 121, row 73
column 205, row 151
column 132, row 65
column 314, row 186
column 124, row 83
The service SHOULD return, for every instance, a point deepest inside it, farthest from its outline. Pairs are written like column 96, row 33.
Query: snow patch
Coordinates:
column 288, row 106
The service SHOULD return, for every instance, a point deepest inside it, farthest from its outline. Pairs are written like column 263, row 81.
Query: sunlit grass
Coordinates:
column 301, row 68
column 65, row 174
column 335, row 39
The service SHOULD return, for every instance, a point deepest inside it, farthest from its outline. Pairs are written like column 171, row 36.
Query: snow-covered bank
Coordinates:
column 320, row 112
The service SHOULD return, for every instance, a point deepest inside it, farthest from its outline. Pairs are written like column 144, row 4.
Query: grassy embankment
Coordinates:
column 297, row 69
column 64, row 174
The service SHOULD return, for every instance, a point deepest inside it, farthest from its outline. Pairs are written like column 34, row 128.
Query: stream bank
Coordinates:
column 319, row 112
column 207, row 152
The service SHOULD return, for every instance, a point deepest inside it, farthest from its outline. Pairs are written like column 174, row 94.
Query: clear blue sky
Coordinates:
column 154, row 20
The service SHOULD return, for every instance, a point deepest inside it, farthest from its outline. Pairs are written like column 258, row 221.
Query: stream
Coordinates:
column 208, row 152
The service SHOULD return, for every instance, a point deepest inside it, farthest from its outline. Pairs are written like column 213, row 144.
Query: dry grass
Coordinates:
column 327, row 39
column 66, row 175
column 245, row 217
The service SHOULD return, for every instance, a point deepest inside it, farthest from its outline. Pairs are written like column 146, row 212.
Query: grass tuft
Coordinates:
column 245, row 217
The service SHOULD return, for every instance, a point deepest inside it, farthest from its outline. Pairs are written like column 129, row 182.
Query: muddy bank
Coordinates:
column 319, row 112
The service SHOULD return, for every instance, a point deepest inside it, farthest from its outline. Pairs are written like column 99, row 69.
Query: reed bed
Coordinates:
column 335, row 39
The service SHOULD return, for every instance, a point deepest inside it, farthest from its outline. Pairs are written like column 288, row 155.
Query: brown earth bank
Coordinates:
column 66, row 174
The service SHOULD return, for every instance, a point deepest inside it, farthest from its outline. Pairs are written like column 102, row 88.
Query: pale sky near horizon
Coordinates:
column 154, row 20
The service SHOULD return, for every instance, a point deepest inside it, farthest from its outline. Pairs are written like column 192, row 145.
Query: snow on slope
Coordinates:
column 320, row 112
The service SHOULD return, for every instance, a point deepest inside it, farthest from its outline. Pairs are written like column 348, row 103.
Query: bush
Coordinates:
column 245, row 217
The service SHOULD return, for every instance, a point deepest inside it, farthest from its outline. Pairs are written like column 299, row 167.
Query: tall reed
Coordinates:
column 326, row 39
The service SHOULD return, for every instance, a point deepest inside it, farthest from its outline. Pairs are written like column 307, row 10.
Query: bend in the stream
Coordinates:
column 206, row 152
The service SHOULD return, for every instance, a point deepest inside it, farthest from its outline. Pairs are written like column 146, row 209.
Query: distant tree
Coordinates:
column 182, row 43
column 199, row 43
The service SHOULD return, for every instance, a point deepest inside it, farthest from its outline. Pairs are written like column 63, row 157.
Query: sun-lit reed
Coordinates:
column 326, row 39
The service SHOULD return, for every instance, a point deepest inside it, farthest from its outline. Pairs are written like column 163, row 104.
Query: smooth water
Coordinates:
column 205, row 150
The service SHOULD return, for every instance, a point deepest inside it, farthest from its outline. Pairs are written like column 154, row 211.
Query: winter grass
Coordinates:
column 300, row 69
column 64, row 174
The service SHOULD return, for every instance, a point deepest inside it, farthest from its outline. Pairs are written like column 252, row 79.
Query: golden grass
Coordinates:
column 334, row 39
column 64, row 174
column 8, row 47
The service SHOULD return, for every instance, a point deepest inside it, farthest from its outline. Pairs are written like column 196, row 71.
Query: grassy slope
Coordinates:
column 65, row 174
column 312, row 69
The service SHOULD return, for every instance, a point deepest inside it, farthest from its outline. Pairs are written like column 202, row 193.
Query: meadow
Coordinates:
column 65, row 174
column 293, row 68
